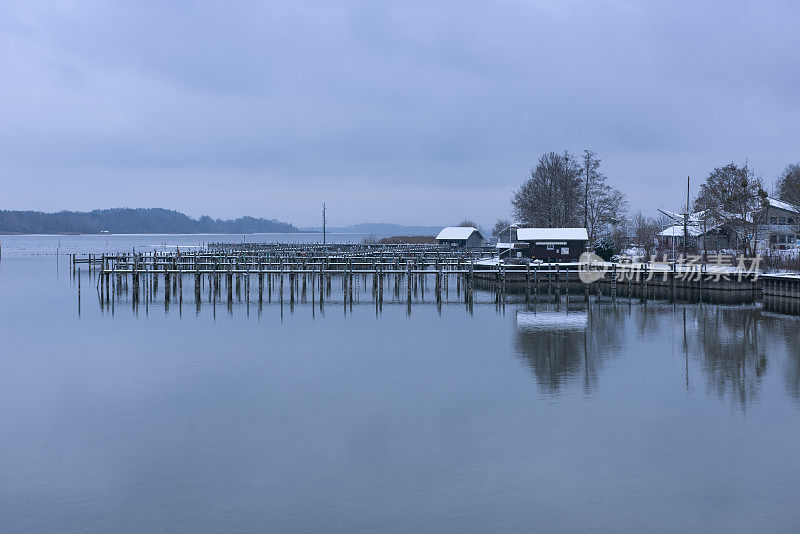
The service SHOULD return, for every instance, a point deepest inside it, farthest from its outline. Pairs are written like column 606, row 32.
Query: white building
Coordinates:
column 780, row 228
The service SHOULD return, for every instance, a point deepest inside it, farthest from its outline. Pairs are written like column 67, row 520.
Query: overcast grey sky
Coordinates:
column 410, row 112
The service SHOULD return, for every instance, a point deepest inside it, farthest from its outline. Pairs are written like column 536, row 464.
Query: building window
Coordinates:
column 773, row 239
column 781, row 220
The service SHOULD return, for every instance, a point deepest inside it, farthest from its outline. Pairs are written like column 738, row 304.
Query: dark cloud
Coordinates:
column 404, row 111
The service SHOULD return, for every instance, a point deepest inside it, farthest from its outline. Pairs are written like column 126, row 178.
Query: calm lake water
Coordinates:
column 609, row 417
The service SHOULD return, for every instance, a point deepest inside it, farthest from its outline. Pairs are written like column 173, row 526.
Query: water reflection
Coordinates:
column 793, row 369
column 730, row 347
column 563, row 345
column 783, row 331
column 727, row 344
column 783, row 305
column 687, row 295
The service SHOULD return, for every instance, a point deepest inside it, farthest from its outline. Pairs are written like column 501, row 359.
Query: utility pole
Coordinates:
column 586, row 201
column 686, row 220
column 324, row 226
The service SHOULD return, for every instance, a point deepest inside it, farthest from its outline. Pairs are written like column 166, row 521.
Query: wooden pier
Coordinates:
column 295, row 272
column 292, row 272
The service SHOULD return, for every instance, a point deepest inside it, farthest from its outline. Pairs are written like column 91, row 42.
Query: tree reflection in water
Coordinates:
column 561, row 345
column 731, row 345
column 793, row 361
column 785, row 330
column 726, row 340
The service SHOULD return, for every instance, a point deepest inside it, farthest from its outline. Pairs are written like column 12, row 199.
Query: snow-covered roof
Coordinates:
column 677, row 231
column 694, row 218
column 456, row 232
column 775, row 203
column 552, row 234
column 503, row 245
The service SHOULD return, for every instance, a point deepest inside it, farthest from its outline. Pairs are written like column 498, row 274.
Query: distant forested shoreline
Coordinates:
column 132, row 221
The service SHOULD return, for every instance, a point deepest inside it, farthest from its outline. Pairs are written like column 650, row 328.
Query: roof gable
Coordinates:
column 779, row 204
column 457, row 233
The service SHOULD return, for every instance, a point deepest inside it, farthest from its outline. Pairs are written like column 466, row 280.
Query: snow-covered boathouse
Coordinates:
column 554, row 244
column 460, row 237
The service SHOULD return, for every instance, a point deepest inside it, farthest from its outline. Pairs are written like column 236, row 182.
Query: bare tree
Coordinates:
column 551, row 196
column 602, row 204
column 500, row 227
column 734, row 196
column 619, row 234
column 645, row 232
column 789, row 184
column 590, row 165
column 789, row 188
column 605, row 206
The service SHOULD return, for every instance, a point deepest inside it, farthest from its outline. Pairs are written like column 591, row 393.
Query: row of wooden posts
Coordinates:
column 295, row 286
column 302, row 267
column 297, row 281
column 314, row 271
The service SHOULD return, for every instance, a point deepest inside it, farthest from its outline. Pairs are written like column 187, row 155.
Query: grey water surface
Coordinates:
column 622, row 416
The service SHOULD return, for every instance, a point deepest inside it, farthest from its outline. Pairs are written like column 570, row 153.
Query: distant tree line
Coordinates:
column 131, row 221
column 400, row 240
